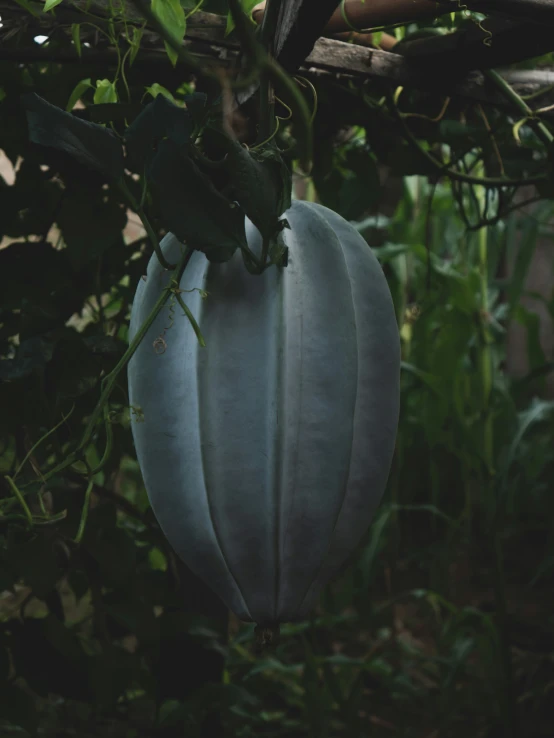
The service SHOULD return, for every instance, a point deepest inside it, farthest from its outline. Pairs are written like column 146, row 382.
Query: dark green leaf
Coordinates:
column 114, row 552
column 79, row 583
column 81, row 87
column 32, row 354
column 49, row 277
column 50, row 657
column 192, row 208
column 160, row 119
column 29, row 6
column 531, row 322
column 73, row 369
column 261, row 183
column 120, row 665
column 35, row 562
column 18, row 708
column 106, row 346
column 196, row 105
column 172, row 16
column 91, row 144
column 352, row 186
column 105, row 223
column 4, row 664
column 405, row 160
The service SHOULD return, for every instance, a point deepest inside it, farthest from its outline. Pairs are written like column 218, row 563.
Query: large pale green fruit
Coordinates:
column 266, row 453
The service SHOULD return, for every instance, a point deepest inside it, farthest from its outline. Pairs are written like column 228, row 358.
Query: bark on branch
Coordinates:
column 206, row 38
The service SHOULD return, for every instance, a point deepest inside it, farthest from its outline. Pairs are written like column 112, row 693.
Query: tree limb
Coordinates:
column 206, row 39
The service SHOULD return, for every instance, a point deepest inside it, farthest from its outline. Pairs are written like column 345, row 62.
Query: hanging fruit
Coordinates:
column 266, row 453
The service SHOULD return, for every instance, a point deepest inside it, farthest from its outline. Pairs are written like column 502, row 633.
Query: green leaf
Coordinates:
column 191, row 206
column 28, row 6
column 351, row 186
column 78, row 91
column 135, row 44
column 157, row 559
column 247, row 6
column 171, row 714
column 92, row 145
column 76, row 36
column 521, row 247
column 105, row 91
column 433, row 382
column 537, row 412
column 49, row 4
column 157, row 89
column 172, row 16
column 532, row 323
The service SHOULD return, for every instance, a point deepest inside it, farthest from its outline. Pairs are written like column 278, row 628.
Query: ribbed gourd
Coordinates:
column 266, row 453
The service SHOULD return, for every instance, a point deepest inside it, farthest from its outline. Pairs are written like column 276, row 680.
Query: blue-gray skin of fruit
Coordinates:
column 266, row 454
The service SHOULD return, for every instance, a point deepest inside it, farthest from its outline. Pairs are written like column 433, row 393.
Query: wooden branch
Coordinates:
column 498, row 42
column 531, row 11
column 206, row 38
column 360, row 63
column 495, row 42
column 360, row 15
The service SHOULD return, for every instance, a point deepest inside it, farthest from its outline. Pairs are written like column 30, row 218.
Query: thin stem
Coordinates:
column 507, row 697
column 183, row 56
column 137, row 207
column 15, row 489
column 40, row 440
column 110, row 380
column 192, row 320
column 485, row 353
column 537, row 125
column 267, row 110
column 267, row 94
column 453, row 173
column 276, row 75
column 299, row 106
column 84, row 513
column 109, row 441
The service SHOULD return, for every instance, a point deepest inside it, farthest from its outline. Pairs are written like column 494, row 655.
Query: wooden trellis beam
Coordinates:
column 206, row 38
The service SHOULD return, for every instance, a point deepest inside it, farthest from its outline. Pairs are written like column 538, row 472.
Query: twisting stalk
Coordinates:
column 508, row 703
column 109, row 381
column 267, row 93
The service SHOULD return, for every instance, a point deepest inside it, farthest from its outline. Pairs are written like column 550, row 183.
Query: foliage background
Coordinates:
column 443, row 623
